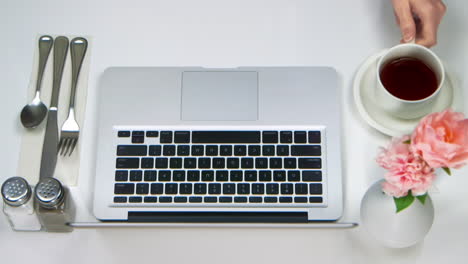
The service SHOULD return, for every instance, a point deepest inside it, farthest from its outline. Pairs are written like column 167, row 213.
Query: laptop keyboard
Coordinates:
column 240, row 168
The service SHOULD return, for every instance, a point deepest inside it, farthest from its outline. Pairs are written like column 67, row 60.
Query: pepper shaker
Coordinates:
column 18, row 205
column 54, row 205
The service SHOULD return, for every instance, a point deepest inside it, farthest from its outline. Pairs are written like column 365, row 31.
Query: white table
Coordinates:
column 220, row 33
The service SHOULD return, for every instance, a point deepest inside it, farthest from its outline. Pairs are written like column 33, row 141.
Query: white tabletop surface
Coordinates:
column 220, row 33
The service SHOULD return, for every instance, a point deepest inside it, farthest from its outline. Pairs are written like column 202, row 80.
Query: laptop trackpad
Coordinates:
column 219, row 96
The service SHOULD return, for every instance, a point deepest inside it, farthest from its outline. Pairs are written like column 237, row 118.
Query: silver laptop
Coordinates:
column 191, row 144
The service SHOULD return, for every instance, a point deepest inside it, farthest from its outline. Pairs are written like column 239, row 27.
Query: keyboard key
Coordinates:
column 175, row 163
column 306, row 150
column 214, row 188
column 138, row 139
column 250, row 176
column 300, row 199
column 261, row 163
column 136, row 175
column 236, row 176
column 270, row 199
column 165, row 199
column 225, row 199
column 240, row 199
column 272, row 188
column 314, row 137
column 225, row 150
column 247, row 163
column 287, row 188
column 170, row 188
column 264, row 176
column 294, row 176
column 166, row 137
column 210, row 199
column 157, row 188
column 301, row 188
column 315, row 200
column 225, row 137
column 169, row 150
column 254, row 150
column 147, row 163
column 290, row 163
column 270, row 137
column 164, row 175
column 207, row 175
column 183, row 150
column 123, row 134
column 178, row 175
column 243, row 188
column 121, row 175
column 219, row 163
column 229, row 188
column 190, row 163
column 152, row 134
column 195, row 199
column 124, row 188
column 182, row 137
column 315, row 188
column 222, row 176
column 282, row 150
column 300, row 137
column 276, row 163
column 268, row 150
column 310, row 163
column 204, row 163
column 311, row 176
column 162, row 163
column 258, row 188
column 150, row 175
column 286, row 136
column 135, row 199
column 199, row 188
column 193, row 175
column 150, row 199
column 211, row 150
column 254, row 199
column 120, row 199
column 279, row 176
column 127, row 163
column 197, row 150
column 180, row 199
column 142, row 188
column 232, row 163
column 285, row 199
column 185, row 188
column 132, row 150
column 138, row 133
column 155, row 150
column 240, row 150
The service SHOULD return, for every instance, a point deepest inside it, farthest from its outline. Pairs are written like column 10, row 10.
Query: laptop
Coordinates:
column 237, row 145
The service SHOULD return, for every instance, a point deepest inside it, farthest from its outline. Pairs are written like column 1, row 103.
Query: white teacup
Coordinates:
column 409, row 109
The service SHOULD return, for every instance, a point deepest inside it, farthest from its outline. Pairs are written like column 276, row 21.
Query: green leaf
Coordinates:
column 447, row 170
column 422, row 198
column 407, row 141
column 403, row 202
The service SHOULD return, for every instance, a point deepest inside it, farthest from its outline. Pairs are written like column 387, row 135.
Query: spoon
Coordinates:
column 33, row 113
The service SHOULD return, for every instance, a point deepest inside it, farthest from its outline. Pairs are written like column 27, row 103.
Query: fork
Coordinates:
column 70, row 128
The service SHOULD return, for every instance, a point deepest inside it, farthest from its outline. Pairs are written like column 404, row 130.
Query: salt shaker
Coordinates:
column 54, row 206
column 18, row 205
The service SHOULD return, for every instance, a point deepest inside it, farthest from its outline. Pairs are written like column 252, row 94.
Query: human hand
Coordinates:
column 419, row 20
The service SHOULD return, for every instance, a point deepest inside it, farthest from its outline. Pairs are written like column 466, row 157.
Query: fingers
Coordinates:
column 405, row 20
column 430, row 14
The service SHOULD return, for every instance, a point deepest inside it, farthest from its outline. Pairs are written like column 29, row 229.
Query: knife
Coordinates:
column 51, row 138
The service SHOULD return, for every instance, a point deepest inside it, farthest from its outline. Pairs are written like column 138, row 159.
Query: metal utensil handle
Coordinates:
column 45, row 45
column 60, row 55
column 78, row 48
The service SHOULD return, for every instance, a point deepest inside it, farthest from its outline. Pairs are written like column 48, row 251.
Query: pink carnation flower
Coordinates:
column 406, row 171
column 442, row 139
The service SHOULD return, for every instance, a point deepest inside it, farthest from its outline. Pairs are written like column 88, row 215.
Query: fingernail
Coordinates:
column 407, row 37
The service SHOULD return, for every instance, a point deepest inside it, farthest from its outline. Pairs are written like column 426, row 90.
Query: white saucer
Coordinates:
column 365, row 81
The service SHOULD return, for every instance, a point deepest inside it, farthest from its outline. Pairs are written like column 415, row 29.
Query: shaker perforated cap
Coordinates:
column 16, row 191
column 49, row 192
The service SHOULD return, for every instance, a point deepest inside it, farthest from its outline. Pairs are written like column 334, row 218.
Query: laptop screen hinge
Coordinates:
column 219, row 217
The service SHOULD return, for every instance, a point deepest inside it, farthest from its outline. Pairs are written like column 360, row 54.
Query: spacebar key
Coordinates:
column 226, row 137
column 310, row 163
